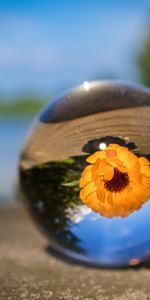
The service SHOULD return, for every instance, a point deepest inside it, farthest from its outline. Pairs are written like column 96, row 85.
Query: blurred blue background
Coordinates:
column 48, row 46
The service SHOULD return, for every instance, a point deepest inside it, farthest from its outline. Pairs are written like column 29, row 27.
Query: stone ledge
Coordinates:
column 28, row 272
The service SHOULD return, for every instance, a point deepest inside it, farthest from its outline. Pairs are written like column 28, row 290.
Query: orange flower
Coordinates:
column 116, row 182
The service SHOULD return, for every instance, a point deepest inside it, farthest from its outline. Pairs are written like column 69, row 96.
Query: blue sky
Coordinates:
column 46, row 46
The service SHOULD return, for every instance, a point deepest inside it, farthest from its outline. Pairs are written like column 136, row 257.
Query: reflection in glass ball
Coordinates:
column 76, row 125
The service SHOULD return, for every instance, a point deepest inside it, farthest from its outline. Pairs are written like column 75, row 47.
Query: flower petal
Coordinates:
column 143, row 161
column 110, row 153
column 85, row 178
column 93, row 202
column 92, row 158
column 145, row 170
column 87, row 189
column 116, row 183
column 101, row 193
column 108, row 172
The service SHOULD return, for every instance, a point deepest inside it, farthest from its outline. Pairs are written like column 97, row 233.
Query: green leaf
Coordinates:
column 70, row 184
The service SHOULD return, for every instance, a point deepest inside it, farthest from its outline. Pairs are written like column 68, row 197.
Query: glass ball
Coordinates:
column 100, row 129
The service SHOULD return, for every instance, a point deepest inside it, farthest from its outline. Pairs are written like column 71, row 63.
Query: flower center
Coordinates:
column 118, row 182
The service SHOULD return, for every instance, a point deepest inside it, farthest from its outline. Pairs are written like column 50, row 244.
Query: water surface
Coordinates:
column 12, row 133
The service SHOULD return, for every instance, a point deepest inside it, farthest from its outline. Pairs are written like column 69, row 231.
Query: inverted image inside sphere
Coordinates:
column 81, row 203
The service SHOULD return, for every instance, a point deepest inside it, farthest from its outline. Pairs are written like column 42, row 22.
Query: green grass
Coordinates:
column 25, row 107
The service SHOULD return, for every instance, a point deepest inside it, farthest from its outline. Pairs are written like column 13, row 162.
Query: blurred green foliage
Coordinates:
column 144, row 61
column 52, row 184
column 22, row 106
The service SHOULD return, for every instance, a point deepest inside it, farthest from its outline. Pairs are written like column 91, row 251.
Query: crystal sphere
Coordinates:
column 102, row 218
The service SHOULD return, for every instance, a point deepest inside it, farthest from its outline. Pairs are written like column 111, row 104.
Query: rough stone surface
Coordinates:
column 29, row 272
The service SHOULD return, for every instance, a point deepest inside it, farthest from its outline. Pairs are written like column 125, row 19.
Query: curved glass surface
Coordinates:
column 72, row 127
